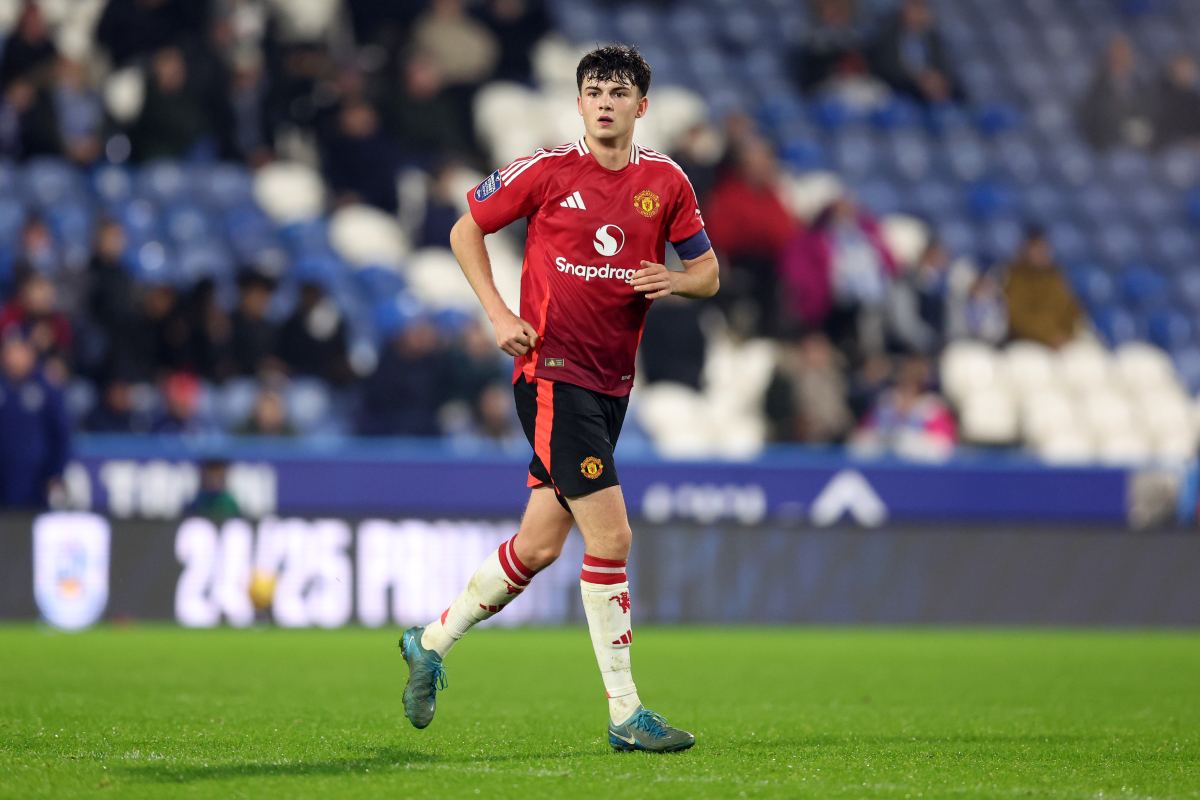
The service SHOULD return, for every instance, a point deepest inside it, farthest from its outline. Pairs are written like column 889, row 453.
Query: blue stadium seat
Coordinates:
column 1018, row 159
column 234, row 402
column 1144, row 287
column 1118, row 243
column 1180, row 167
column 937, row 198
column 163, row 182
column 151, row 262
column 140, row 219
column 958, row 236
column 379, row 283
column 1074, row 163
column 997, row 118
column 310, row 236
column 451, row 322
column 223, row 185
column 911, row 154
column 1092, row 285
column 70, row 222
column 395, row 315
column 1045, row 203
column 896, row 113
column 1069, row 241
column 804, row 154
column 988, row 199
column 1002, row 238
column 308, row 402
column 205, row 258
column 1153, row 204
column 1175, row 245
column 966, row 156
column 188, row 223
column 879, row 196
column 52, row 180
column 831, row 114
column 113, row 184
column 12, row 217
column 1116, row 325
column 317, row 267
column 1187, row 364
column 856, row 155
column 1100, row 204
column 1127, row 167
column 1187, row 283
column 1170, row 329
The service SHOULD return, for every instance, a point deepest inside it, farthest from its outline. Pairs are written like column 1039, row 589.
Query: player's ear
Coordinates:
column 643, row 104
column 579, row 103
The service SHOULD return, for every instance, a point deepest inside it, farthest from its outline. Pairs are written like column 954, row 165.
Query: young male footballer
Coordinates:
column 600, row 212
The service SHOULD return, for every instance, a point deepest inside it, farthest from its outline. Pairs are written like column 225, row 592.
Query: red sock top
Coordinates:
column 608, row 571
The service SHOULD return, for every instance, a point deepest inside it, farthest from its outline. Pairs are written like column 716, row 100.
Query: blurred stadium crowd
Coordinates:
column 232, row 216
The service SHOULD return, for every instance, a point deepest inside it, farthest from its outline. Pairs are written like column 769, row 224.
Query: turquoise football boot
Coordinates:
column 425, row 677
column 647, row 731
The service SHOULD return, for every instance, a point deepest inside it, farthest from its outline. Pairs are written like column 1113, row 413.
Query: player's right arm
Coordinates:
column 514, row 335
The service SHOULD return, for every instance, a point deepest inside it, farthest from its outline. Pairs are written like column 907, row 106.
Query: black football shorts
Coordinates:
column 573, row 431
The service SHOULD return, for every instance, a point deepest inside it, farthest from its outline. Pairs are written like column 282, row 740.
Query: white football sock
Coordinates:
column 606, row 603
column 497, row 582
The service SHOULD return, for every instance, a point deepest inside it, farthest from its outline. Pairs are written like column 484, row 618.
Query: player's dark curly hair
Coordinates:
column 616, row 62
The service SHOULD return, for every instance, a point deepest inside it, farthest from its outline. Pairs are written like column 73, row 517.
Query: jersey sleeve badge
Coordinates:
column 646, row 203
column 488, row 187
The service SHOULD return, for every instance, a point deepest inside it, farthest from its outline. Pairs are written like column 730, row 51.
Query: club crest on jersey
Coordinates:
column 591, row 467
column 489, row 186
column 646, row 203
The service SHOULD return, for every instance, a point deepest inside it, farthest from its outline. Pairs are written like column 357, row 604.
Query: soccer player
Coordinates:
column 600, row 212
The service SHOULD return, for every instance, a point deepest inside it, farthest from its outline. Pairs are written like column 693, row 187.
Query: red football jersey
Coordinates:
column 589, row 230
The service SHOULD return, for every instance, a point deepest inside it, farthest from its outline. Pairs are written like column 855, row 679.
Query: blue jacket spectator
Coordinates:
column 412, row 381
column 34, row 430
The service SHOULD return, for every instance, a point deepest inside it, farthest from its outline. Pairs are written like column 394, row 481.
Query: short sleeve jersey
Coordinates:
column 589, row 230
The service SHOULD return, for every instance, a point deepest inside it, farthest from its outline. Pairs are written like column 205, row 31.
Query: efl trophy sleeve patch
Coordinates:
column 489, row 186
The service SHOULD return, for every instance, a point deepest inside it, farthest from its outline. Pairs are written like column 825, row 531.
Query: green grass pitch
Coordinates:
column 160, row 712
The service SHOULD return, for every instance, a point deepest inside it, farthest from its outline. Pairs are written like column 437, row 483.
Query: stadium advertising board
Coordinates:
column 156, row 481
column 73, row 569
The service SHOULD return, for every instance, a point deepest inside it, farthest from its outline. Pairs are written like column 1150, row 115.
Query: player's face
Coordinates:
column 609, row 108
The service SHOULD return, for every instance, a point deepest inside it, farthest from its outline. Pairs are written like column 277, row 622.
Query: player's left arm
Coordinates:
column 699, row 279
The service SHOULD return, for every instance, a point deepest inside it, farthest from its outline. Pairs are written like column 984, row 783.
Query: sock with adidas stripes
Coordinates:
column 497, row 582
column 606, row 603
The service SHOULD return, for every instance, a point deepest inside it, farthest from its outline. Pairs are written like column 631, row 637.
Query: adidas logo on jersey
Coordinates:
column 575, row 200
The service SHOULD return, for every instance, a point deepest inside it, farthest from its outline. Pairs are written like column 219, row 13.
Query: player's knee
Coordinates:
column 544, row 555
column 621, row 539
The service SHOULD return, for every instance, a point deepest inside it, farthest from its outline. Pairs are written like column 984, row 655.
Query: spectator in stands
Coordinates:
column 35, row 439
column 28, row 123
column 911, row 57
column 270, row 417
column 673, row 345
column 410, row 384
column 837, row 275
column 868, row 382
column 252, row 343
column 1041, row 305
column 211, row 331
column 214, row 500
column 908, row 419
column 29, row 52
column 441, row 208
column 517, row 26
column 313, row 339
column 1118, row 109
column 474, row 364
column 807, row 398
column 975, row 306
column 749, row 227
column 80, row 114
column 181, row 400
column 173, row 120
column 115, row 412
column 463, row 50
column 497, row 413
column 1177, row 104
column 698, row 154
column 45, row 328
column 918, row 300
column 361, row 160
column 428, row 119
column 832, row 47
column 132, row 28
column 110, row 298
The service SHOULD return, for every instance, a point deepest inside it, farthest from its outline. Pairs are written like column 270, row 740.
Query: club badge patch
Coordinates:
column 591, row 467
column 489, row 186
column 646, row 203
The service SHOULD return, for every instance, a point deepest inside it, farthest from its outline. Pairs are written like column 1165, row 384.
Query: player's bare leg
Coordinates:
column 501, row 577
column 603, row 521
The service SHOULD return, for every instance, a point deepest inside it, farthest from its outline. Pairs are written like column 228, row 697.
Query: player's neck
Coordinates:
column 612, row 154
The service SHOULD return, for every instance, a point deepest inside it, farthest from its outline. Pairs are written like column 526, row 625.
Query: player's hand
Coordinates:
column 514, row 335
column 653, row 279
